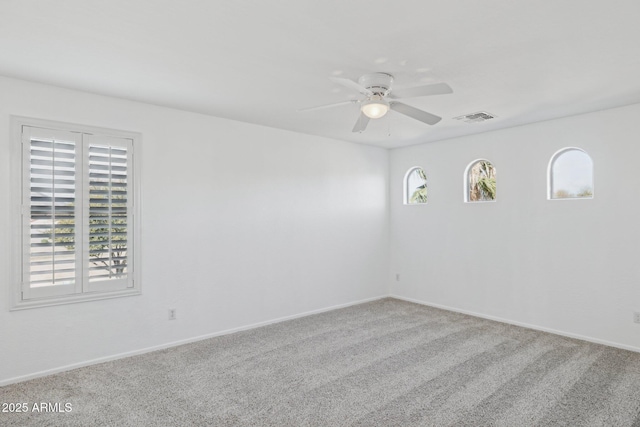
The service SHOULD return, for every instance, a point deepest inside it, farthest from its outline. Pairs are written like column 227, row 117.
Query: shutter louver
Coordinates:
column 52, row 212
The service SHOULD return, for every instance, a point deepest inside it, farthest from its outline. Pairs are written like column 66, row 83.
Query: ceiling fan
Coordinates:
column 379, row 98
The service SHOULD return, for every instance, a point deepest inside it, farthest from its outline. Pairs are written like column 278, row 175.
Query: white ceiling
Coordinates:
column 261, row 61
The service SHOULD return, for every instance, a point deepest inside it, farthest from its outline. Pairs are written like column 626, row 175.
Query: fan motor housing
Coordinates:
column 378, row 83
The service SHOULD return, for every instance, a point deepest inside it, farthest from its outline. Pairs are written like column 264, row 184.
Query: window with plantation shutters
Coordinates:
column 77, row 218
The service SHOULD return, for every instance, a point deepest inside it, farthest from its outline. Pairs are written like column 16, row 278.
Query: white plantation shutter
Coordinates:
column 77, row 214
column 108, row 228
column 50, row 213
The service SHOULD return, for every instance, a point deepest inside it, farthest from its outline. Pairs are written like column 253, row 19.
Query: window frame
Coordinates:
column 20, row 171
column 466, row 183
column 405, row 189
column 552, row 160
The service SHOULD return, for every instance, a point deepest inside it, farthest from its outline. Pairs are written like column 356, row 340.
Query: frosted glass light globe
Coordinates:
column 375, row 107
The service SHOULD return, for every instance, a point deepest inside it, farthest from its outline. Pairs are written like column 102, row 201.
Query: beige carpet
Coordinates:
column 385, row 363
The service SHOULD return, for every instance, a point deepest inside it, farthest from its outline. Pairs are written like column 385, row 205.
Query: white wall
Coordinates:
column 241, row 224
column 258, row 224
column 568, row 266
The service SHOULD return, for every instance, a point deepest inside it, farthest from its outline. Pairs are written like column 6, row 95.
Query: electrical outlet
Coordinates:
column 636, row 317
column 172, row 314
column 397, row 277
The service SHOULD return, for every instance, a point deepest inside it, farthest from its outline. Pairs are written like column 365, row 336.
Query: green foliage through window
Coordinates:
column 107, row 235
column 416, row 186
column 482, row 182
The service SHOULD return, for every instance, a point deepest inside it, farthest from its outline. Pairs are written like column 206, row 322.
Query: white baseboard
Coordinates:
column 307, row 313
column 180, row 342
column 524, row 325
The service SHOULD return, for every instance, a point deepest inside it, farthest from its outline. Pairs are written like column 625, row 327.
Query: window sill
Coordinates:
column 47, row 302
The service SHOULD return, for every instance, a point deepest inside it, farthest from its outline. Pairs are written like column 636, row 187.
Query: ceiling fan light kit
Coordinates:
column 375, row 107
column 376, row 87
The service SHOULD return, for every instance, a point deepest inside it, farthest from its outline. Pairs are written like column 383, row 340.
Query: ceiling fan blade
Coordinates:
column 412, row 92
column 415, row 113
column 351, row 85
column 361, row 124
column 335, row 104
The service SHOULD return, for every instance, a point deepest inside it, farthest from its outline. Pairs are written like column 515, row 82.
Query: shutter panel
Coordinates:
column 108, row 218
column 50, row 215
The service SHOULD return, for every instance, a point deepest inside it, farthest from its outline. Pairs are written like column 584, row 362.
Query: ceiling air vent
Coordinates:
column 478, row 117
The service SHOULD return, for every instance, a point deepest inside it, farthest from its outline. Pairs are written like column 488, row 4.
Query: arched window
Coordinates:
column 415, row 186
column 570, row 175
column 480, row 181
